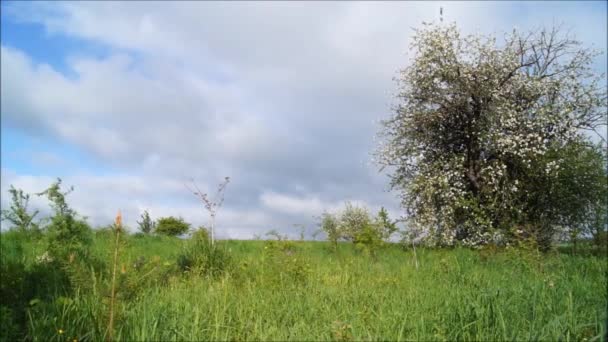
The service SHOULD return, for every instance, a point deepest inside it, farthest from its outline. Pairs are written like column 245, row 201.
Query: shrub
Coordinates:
column 353, row 220
column 356, row 225
column 202, row 233
column 68, row 236
column 387, row 226
column 17, row 214
column 146, row 225
column 171, row 226
column 369, row 239
column 283, row 260
column 67, row 263
column 202, row 257
column 273, row 248
column 330, row 225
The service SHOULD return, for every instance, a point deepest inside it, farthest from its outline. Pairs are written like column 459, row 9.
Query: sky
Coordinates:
column 129, row 101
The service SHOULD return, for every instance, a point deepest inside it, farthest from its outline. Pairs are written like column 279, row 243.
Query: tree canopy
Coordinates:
column 481, row 133
column 171, row 226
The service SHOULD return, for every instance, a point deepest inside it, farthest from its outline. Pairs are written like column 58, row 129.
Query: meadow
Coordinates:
column 302, row 290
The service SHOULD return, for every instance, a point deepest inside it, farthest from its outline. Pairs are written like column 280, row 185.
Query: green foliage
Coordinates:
column 573, row 197
column 10, row 329
column 330, row 225
column 146, row 225
column 17, row 214
column 365, row 232
column 387, row 226
column 284, row 262
column 201, row 233
column 494, row 294
column 171, row 226
column 202, row 257
column 13, row 285
column 354, row 224
column 353, row 221
column 68, row 237
column 369, row 239
column 272, row 248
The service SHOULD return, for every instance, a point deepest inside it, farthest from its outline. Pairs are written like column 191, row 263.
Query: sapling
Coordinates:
column 17, row 214
column 212, row 206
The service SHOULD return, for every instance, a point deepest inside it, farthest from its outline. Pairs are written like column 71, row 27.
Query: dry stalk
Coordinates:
column 118, row 227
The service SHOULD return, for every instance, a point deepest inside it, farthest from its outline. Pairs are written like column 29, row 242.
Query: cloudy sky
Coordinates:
column 127, row 101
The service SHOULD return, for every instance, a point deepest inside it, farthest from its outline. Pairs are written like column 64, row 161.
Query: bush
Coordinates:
column 356, row 225
column 202, row 257
column 387, row 226
column 146, row 225
column 18, row 214
column 353, row 221
column 369, row 239
column 330, row 225
column 283, row 259
column 171, row 226
column 68, row 236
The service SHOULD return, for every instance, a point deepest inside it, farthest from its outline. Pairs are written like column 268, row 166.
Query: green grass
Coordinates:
column 313, row 293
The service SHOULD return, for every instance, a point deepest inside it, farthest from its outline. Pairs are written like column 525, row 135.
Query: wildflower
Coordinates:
column 60, row 331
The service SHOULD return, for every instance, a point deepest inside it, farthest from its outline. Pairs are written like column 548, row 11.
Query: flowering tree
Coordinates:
column 477, row 121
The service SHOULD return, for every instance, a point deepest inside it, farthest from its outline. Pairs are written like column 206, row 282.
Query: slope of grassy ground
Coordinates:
column 309, row 292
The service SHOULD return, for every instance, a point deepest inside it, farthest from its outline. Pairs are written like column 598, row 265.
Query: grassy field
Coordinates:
column 305, row 291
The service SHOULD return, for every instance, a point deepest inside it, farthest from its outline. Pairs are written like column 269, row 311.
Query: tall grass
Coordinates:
column 308, row 292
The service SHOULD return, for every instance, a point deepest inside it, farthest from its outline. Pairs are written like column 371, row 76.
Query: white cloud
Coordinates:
column 292, row 205
column 279, row 96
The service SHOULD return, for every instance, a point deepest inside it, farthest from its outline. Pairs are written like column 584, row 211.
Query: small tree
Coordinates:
column 212, row 206
column 302, row 230
column 388, row 226
column 68, row 235
column 171, row 226
column 18, row 214
column 354, row 224
column 353, row 221
column 330, row 225
column 146, row 225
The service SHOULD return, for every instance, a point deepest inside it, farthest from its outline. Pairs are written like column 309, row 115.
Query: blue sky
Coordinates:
column 128, row 101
